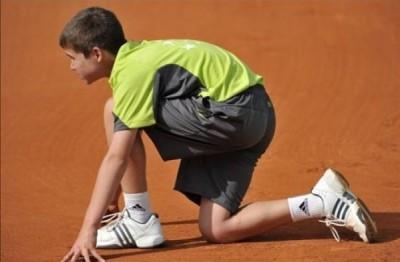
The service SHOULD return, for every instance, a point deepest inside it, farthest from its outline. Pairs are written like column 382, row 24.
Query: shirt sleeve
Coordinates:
column 133, row 98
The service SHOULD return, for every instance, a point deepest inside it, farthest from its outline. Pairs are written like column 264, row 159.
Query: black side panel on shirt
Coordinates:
column 173, row 81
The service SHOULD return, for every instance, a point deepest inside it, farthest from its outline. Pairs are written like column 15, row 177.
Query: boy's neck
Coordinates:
column 108, row 63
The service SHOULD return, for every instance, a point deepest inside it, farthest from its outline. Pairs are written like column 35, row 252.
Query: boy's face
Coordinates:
column 88, row 68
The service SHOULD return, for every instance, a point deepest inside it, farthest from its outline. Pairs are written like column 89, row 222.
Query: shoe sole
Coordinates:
column 149, row 242
column 363, row 214
column 370, row 226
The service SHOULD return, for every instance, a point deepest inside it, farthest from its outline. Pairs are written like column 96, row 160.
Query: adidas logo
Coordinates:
column 304, row 207
column 137, row 207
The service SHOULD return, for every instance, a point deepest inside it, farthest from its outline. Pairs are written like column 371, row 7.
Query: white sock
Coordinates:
column 305, row 207
column 138, row 206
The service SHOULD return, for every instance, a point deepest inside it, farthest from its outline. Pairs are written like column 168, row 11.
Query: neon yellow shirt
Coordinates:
column 221, row 74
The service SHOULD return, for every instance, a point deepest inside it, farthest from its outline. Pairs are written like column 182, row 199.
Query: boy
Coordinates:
column 198, row 103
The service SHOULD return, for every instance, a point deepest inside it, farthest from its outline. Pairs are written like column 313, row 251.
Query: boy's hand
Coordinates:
column 84, row 246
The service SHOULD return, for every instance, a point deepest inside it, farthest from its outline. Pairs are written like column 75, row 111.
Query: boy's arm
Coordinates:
column 109, row 175
column 108, row 179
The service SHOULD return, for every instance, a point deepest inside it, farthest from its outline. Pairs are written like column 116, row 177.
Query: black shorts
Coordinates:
column 218, row 143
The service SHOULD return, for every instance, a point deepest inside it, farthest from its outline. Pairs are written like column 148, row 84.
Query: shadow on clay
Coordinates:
column 387, row 223
column 169, row 245
column 183, row 222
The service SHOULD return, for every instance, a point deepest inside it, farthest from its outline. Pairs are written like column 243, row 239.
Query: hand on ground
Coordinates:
column 83, row 248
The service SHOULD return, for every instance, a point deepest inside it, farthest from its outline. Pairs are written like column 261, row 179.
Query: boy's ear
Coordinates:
column 98, row 53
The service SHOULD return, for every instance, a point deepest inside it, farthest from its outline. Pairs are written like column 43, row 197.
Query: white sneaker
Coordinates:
column 343, row 208
column 125, row 232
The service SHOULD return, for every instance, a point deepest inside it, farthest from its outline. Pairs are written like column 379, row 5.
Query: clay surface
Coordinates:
column 332, row 69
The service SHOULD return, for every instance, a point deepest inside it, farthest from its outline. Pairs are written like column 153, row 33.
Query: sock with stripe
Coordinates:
column 138, row 206
column 305, row 207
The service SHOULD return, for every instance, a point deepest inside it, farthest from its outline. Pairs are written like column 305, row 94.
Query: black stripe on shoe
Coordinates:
column 342, row 204
column 125, row 237
column 335, row 206
column 118, row 236
column 132, row 240
column 344, row 213
column 349, row 197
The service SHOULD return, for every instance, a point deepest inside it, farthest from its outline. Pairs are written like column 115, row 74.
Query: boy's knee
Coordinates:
column 213, row 220
column 214, row 233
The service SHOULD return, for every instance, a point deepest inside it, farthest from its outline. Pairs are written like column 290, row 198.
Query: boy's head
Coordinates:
column 93, row 27
column 91, row 39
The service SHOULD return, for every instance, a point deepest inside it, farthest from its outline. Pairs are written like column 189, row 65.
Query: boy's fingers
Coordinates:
column 75, row 257
column 85, row 255
column 67, row 256
column 97, row 256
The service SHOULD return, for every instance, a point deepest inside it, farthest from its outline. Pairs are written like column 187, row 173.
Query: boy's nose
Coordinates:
column 72, row 66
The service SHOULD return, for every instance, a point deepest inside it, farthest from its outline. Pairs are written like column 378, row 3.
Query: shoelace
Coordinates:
column 110, row 218
column 330, row 223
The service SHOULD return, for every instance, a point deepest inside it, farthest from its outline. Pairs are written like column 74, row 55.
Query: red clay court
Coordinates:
column 332, row 69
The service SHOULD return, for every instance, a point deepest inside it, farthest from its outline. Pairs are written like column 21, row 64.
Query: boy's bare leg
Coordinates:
column 137, row 225
column 134, row 179
column 217, row 225
column 330, row 198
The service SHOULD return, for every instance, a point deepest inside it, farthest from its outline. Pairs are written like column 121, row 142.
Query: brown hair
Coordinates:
column 94, row 26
